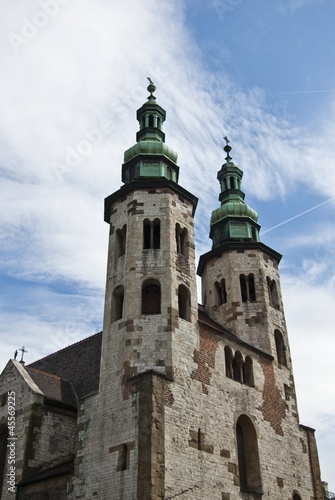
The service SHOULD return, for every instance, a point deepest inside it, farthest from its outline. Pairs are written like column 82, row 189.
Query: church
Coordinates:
column 172, row 400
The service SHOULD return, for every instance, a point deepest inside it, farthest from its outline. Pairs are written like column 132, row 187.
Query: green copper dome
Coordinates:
column 233, row 209
column 234, row 220
column 150, row 157
column 150, row 147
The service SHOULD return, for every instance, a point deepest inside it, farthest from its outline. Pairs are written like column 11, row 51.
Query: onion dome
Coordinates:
column 150, row 157
column 234, row 220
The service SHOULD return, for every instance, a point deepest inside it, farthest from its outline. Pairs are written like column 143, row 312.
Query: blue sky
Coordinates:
column 74, row 74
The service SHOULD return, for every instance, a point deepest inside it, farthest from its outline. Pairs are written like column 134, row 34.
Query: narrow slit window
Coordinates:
column 120, row 242
column 184, row 305
column 280, row 348
column 117, row 303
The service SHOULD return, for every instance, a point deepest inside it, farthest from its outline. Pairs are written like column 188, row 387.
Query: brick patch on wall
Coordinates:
column 273, row 407
column 205, row 357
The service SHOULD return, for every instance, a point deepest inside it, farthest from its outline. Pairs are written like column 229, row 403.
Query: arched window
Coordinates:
column 243, row 285
column 120, row 241
column 151, row 297
column 182, row 240
column 247, row 454
column 184, row 306
column 151, row 120
column 238, row 367
column 296, row 496
column 248, row 291
column 253, row 234
column 229, row 361
column 280, row 348
column 242, row 466
column 273, row 293
column 221, row 292
column 169, row 173
column 251, row 286
column 151, row 234
column 117, row 303
column 248, row 374
column 232, row 184
column 3, row 452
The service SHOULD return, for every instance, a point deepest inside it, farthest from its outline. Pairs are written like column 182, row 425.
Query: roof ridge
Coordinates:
column 66, row 348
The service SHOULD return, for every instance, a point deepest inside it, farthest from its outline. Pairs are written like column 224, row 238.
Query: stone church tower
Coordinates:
column 191, row 401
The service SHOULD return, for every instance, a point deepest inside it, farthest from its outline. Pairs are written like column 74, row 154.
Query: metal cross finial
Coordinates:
column 227, row 140
column 23, row 350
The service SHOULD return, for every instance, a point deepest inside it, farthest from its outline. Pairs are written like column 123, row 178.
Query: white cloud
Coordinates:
column 307, row 308
column 68, row 100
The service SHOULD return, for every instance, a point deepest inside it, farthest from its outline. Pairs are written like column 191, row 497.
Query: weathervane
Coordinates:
column 151, row 88
column 227, row 149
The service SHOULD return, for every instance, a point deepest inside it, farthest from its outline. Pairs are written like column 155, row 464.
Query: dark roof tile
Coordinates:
column 54, row 387
column 78, row 363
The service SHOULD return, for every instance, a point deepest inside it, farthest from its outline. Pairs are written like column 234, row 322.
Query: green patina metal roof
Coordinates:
column 150, row 147
column 150, row 157
column 234, row 220
column 231, row 209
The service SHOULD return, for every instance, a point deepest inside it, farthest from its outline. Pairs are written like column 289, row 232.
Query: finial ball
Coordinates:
column 151, row 87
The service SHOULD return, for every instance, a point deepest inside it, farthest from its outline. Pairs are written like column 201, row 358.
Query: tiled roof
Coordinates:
column 54, row 387
column 78, row 363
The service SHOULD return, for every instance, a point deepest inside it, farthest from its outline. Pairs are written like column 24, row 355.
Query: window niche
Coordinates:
column 151, row 297
column 248, row 372
column 248, row 291
column 182, row 241
column 280, row 348
column 151, row 234
column 184, row 303
column 273, row 293
column 239, row 369
column 120, row 242
column 117, row 303
column 220, row 292
column 247, row 454
column 229, row 357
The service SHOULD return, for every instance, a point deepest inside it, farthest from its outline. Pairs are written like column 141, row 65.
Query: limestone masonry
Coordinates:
column 172, row 400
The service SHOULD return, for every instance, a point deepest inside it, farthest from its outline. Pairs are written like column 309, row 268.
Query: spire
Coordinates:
column 150, row 157
column 234, row 220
